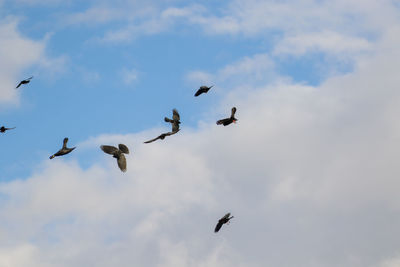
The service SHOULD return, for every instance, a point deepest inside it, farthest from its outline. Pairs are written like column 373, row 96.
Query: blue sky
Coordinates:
column 87, row 90
column 309, row 167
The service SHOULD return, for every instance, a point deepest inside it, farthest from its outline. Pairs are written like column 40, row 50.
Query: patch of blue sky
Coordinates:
column 90, row 97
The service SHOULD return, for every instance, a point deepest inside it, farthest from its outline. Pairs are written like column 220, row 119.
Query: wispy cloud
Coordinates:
column 257, row 69
column 325, row 41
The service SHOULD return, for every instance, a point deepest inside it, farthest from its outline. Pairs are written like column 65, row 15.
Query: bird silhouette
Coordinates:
column 4, row 129
column 64, row 150
column 117, row 153
column 222, row 221
column 24, row 82
column 203, row 89
column 175, row 121
column 229, row 120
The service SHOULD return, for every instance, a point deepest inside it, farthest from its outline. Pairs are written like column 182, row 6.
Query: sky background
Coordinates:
column 310, row 171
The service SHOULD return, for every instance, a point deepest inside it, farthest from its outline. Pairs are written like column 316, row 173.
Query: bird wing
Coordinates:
column 223, row 121
column 109, row 149
column 18, row 85
column 175, row 115
column 65, row 142
column 168, row 120
column 199, row 92
column 226, row 216
column 161, row 136
column 29, row 78
column 122, row 162
column 218, row 226
column 233, row 112
column 123, row 148
column 9, row 128
column 154, row 139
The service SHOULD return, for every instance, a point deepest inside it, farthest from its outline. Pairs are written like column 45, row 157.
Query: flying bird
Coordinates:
column 64, row 150
column 222, row 221
column 203, row 89
column 229, row 120
column 4, row 129
column 175, row 121
column 117, row 153
column 24, row 82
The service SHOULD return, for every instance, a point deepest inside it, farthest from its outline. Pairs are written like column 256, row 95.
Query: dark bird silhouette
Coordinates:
column 117, row 153
column 4, row 129
column 222, row 221
column 64, row 150
column 203, row 89
column 175, row 121
column 229, row 120
column 24, row 82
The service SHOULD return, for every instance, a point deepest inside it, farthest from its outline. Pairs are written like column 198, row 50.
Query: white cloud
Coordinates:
column 329, row 42
column 255, row 70
column 309, row 172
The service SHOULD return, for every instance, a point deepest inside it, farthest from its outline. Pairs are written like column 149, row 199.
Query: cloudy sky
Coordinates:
column 310, row 171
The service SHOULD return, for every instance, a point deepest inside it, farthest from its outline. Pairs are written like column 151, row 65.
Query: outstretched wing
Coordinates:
column 161, row 136
column 123, row 148
column 168, row 120
column 65, row 142
column 175, row 115
column 218, row 226
column 223, row 121
column 18, row 85
column 9, row 128
column 226, row 216
column 122, row 162
column 233, row 112
column 109, row 149
column 154, row 139
column 199, row 92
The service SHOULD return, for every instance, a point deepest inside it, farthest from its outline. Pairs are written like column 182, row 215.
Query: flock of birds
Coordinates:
column 118, row 152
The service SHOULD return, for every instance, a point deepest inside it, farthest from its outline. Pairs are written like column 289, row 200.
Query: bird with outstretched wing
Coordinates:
column 3, row 129
column 175, row 121
column 24, row 82
column 229, row 120
column 64, row 150
column 117, row 153
column 223, row 221
column 203, row 89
